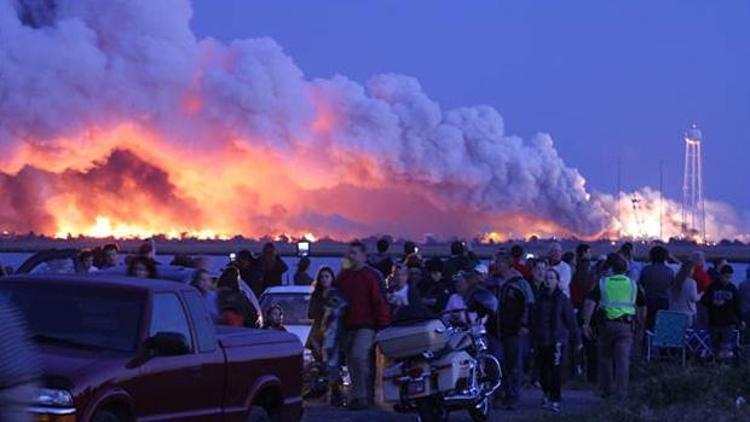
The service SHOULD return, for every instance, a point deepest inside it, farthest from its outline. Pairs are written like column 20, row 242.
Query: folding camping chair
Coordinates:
column 699, row 343
column 670, row 333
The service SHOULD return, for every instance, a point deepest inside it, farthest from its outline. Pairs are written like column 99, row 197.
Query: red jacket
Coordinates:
column 367, row 305
column 702, row 278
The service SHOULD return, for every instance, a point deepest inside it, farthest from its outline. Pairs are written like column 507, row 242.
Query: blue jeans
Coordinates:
column 512, row 367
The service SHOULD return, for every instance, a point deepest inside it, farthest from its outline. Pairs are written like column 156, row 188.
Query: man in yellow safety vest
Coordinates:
column 622, row 305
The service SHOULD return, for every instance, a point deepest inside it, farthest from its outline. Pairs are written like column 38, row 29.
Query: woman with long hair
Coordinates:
column 326, row 310
column 317, row 308
column 684, row 296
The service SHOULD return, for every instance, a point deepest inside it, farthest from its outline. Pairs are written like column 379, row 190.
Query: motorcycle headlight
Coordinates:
column 52, row 397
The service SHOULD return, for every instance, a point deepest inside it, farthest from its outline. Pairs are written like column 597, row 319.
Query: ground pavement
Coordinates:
column 574, row 401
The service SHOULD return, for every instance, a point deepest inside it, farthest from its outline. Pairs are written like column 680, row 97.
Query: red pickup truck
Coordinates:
column 116, row 349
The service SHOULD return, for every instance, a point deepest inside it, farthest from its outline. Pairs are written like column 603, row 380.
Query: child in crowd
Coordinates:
column 275, row 318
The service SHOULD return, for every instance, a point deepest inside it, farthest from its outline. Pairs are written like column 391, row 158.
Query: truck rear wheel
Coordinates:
column 258, row 414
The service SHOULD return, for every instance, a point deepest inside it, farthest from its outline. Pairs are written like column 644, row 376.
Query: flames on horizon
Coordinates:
column 118, row 124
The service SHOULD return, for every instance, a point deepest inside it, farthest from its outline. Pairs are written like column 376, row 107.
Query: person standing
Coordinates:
column 723, row 303
column 399, row 289
column 656, row 280
column 538, row 274
column 555, row 253
column 714, row 272
column 434, row 290
column 553, row 326
column 368, row 312
column 301, row 277
column 517, row 252
column 460, row 260
column 700, row 275
column 382, row 261
column 455, row 310
column 273, row 267
column 627, row 251
column 249, row 268
column 622, row 304
column 583, row 281
column 513, row 327
column 684, row 295
column 316, row 310
column 744, row 292
column 583, row 252
column 201, row 280
column 236, row 302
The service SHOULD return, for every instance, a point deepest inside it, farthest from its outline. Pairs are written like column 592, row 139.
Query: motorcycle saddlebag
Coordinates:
column 398, row 342
column 452, row 368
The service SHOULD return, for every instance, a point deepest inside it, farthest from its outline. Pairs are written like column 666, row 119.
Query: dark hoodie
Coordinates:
column 723, row 304
column 553, row 320
column 515, row 308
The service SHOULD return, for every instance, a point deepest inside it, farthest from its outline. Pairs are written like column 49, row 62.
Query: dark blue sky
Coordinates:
column 608, row 79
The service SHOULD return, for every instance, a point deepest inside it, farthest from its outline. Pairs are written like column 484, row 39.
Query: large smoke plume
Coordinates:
column 114, row 109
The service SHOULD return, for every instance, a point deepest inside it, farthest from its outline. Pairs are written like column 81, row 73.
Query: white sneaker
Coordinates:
column 554, row 406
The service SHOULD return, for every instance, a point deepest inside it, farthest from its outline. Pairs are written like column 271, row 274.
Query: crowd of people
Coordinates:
column 560, row 314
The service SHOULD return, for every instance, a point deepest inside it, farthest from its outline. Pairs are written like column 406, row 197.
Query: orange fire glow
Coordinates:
column 237, row 187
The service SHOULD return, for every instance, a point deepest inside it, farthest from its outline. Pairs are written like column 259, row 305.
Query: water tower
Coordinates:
column 693, row 205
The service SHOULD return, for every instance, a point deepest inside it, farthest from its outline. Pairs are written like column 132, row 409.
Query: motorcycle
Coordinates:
column 438, row 369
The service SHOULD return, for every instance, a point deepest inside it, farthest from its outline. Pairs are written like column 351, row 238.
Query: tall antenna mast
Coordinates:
column 693, row 204
column 661, row 199
column 619, row 195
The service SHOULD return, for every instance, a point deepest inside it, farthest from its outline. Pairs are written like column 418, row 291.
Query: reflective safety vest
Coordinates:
column 618, row 295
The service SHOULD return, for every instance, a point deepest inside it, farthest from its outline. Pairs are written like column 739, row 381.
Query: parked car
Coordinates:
column 56, row 261
column 122, row 349
column 294, row 300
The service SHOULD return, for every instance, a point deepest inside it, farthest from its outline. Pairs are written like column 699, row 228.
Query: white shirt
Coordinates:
column 399, row 297
column 566, row 275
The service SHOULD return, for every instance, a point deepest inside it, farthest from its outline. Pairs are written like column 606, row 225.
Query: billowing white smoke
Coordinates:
column 637, row 214
column 69, row 66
